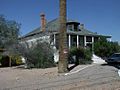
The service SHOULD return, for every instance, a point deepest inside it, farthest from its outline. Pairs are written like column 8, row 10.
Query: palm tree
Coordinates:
column 63, row 55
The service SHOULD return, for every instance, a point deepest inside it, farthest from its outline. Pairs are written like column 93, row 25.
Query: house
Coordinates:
column 77, row 35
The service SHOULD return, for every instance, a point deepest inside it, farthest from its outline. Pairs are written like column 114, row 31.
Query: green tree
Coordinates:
column 104, row 48
column 9, row 32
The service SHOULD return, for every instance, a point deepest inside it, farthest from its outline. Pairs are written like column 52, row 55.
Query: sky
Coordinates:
column 101, row 16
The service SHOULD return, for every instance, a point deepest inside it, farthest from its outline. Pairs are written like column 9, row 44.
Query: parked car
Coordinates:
column 115, row 58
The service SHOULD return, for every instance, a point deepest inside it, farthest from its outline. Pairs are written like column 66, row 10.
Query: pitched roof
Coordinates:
column 50, row 26
column 53, row 26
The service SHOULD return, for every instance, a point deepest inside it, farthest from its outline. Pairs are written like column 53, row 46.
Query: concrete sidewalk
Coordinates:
column 97, row 60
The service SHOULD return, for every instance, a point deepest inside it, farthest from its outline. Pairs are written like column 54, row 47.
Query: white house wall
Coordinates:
column 46, row 38
column 34, row 41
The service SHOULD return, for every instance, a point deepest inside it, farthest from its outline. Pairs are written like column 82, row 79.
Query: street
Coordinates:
column 95, row 77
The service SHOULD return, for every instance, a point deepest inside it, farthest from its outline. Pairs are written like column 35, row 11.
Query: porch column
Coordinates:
column 92, row 44
column 85, row 41
column 54, row 41
column 77, row 41
column 92, row 39
column 69, row 41
column 110, row 39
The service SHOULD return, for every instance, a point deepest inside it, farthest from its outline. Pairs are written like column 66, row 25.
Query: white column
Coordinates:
column 77, row 41
column 92, row 39
column 110, row 39
column 93, row 44
column 84, row 41
column 54, row 39
column 69, row 40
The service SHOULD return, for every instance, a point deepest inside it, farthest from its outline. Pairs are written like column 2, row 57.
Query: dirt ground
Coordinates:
column 13, row 78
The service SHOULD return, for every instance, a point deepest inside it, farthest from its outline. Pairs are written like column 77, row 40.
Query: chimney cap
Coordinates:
column 42, row 14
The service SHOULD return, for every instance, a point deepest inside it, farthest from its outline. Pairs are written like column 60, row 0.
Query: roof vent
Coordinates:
column 81, row 26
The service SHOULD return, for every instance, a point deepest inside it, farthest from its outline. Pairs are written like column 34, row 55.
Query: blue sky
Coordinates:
column 102, row 16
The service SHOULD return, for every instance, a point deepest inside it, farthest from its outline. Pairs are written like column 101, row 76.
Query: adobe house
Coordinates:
column 77, row 35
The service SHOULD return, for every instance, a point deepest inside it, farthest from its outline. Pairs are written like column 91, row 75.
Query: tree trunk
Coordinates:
column 63, row 50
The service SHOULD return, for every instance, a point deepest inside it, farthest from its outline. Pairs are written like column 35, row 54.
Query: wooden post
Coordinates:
column 9, row 61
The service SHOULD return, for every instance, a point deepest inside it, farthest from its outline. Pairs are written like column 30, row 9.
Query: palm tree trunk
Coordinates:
column 63, row 50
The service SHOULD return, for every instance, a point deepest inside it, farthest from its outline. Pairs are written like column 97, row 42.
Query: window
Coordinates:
column 70, row 27
column 75, row 27
column 89, row 39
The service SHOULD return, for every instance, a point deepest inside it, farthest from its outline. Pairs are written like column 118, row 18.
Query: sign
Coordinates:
column 65, row 51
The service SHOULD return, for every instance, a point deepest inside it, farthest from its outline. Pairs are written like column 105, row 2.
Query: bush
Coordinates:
column 38, row 56
column 82, row 56
column 16, row 60
column 104, row 48
column 87, row 57
column 5, row 61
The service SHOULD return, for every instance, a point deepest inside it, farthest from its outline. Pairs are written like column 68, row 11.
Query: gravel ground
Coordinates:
column 14, row 77
column 48, row 79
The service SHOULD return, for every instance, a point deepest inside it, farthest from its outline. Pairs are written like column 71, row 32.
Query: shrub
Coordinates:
column 38, row 56
column 5, row 61
column 82, row 56
column 104, row 48
column 16, row 60
column 87, row 57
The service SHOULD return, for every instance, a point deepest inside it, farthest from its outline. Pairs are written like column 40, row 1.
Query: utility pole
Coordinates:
column 63, row 50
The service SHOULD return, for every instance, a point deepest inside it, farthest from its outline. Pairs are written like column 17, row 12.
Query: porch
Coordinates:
column 77, row 41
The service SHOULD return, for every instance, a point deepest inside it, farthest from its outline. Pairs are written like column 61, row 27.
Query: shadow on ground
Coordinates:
column 116, row 65
column 72, row 67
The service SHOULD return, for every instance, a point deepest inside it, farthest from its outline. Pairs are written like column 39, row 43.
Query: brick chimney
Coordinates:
column 82, row 26
column 43, row 21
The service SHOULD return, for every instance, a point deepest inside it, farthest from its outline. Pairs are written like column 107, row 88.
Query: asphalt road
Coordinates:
column 96, row 77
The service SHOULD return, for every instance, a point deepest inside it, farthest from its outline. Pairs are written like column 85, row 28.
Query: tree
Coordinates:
column 9, row 32
column 104, row 48
column 63, row 52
